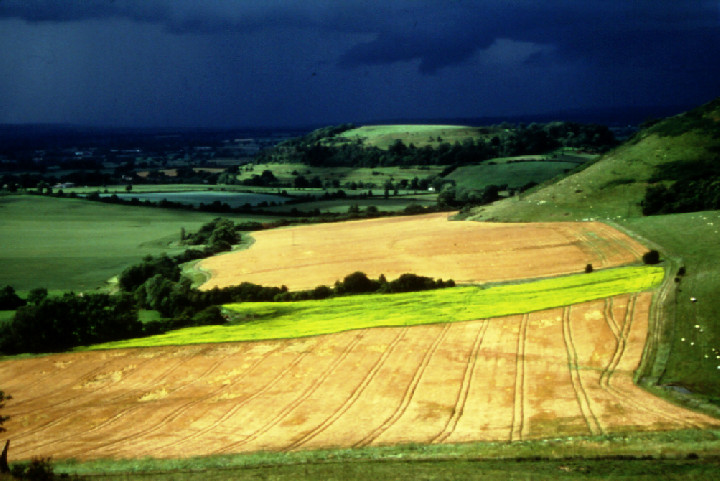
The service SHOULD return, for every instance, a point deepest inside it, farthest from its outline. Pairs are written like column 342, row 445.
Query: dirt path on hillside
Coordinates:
column 429, row 245
column 559, row 372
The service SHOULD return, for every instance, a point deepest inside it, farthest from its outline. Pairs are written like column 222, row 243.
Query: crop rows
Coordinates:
column 562, row 371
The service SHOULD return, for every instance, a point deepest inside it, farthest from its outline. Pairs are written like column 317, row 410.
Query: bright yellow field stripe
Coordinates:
column 280, row 320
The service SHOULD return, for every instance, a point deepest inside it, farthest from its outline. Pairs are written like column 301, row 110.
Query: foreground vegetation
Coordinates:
column 652, row 456
column 272, row 320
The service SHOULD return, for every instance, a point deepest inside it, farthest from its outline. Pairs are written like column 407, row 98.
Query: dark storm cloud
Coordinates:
column 278, row 62
column 436, row 33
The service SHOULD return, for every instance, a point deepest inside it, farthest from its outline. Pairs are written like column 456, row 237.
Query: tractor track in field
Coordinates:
column 230, row 412
column 518, row 412
column 408, row 393
column 173, row 415
column 464, row 390
column 621, row 333
column 354, row 396
column 305, row 394
column 71, row 414
column 87, row 377
column 576, row 380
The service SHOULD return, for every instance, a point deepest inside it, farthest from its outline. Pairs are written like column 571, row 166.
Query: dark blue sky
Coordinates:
column 216, row 63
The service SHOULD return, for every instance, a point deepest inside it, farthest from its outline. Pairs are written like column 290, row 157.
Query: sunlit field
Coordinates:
column 280, row 320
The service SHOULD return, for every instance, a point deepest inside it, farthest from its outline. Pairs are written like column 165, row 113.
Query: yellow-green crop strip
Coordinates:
column 281, row 320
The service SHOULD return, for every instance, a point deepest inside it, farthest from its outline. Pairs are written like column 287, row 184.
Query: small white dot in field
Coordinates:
column 706, row 356
column 697, row 326
column 682, row 339
column 692, row 343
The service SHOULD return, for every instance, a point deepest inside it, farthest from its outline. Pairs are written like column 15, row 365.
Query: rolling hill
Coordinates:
column 681, row 149
column 615, row 185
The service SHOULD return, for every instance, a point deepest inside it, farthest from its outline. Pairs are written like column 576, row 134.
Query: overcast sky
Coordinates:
column 215, row 63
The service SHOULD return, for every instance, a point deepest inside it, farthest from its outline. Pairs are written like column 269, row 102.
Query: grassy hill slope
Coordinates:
column 687, row 356
column 383, row 136
column 614, row 186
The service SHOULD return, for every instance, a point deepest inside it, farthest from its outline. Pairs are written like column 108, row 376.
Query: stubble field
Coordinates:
column 429, row 245
column 560, row 372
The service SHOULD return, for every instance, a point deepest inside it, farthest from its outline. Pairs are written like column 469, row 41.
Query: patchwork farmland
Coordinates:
column 559, row 372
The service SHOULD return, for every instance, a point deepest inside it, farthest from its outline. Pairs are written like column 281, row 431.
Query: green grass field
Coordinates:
column 693, row 336
column 72, row 244
column 514, row 174
column 678, row 455
column 376, row 175
column 280, row 320
column 382, row 136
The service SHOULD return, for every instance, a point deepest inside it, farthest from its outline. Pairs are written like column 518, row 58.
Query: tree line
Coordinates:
column 511, row 140
column 683, row 186
column 51, row 324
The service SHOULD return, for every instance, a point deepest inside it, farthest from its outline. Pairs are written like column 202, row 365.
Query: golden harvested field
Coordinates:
column 429, row 245
column 564, row 371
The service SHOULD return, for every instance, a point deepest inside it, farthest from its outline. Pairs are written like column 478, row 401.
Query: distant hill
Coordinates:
column 679, row 148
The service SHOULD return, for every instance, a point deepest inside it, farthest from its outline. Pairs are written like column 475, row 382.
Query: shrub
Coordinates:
column 9, row 300
column 651, row 257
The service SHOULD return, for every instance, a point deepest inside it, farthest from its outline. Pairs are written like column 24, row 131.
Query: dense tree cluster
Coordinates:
column 684, row 187
column 46, row 324
column 9, row 300
column 60, row 323
column 510, row 140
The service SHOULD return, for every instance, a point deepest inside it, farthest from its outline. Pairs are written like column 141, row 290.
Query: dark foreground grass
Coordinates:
column 656, row 456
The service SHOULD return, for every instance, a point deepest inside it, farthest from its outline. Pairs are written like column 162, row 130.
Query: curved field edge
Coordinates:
column 282, row 320
column 674, row 446
column 672, row 367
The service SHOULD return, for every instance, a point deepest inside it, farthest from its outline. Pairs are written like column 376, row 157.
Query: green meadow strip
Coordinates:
column 281, row 320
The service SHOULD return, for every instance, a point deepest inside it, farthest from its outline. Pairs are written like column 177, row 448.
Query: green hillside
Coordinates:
column 682, row 153
column 615, row 185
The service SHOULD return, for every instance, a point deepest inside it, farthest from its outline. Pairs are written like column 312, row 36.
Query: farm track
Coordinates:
column 594, row 426
column 408, row 394
column 306, row 393
column 354, row 396
column 124, row 413
column 621, row 395
column 464, row 390
column 69, row 415
column 244, row 401
column 518, row 416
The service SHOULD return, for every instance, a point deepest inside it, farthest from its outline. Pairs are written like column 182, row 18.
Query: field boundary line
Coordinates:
column 354, row 396
column 608, row 372
column 518, row 413
column 464, row 391
column 575, row 379
column 409, row 392
column 306, row 393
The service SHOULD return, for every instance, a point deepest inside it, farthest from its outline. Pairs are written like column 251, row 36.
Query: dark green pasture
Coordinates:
column 73, row 244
